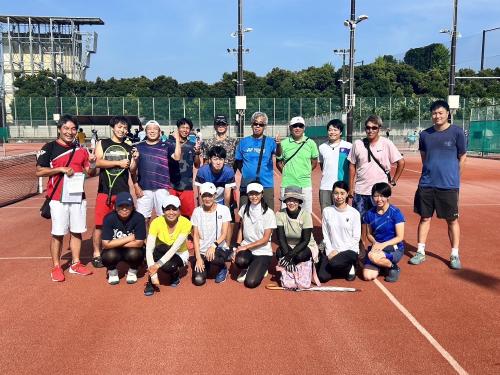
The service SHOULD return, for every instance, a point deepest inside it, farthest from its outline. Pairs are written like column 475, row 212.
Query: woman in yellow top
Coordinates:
column 166, row 244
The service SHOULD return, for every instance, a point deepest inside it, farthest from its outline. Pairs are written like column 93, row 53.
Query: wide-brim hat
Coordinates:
column 293, row 192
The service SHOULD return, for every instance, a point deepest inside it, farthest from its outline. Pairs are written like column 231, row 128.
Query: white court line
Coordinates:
column 31, row 207
column 449, row 358
column 66, row 257
column 412, row 170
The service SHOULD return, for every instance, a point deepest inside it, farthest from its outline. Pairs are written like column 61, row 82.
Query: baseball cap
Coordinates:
column 124, row 198
column 171, row 200
column 208, row 187
column 293, row 192
column 297, row 120
column 220, row 119
column 151, row 122
column 254, row 186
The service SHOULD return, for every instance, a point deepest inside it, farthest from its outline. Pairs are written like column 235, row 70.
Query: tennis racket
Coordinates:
column 314, row 289
column 114, row 152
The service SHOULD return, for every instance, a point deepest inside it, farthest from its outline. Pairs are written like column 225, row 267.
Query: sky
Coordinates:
column 188, row 39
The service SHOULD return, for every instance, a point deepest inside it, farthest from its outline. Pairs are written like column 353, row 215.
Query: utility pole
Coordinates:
column 240, row 89
column 483, row 44
column 451, row 87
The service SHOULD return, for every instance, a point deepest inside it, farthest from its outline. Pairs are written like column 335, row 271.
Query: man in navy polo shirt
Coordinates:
column 443, row 153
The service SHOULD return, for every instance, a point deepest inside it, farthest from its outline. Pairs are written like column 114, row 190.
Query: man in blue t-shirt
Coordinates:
column 247, row 159
column 443, row 152
column 222, row 176
column 152, row 180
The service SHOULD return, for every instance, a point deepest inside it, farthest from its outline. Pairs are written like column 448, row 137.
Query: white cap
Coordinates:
column 254, row 186
column 152, row 122
column 297, row 120
column 207, row 187
column 171, row 200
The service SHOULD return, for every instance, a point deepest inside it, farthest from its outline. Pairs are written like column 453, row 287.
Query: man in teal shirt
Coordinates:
column 296, row 159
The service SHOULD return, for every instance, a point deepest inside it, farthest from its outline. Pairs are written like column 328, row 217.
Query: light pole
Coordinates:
column 342, row 52
column 351, row 23
column 453, row 50
column 482, row 45
column 240, row 100
column 58, row 102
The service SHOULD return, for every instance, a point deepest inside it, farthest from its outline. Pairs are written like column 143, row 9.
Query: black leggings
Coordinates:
column 173, row 265
column 133, row 256
column 256, row 265
column 302, row 256
column 200, row 278
column 337, row 267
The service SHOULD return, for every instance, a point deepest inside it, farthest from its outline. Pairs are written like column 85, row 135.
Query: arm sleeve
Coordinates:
column 173, row 249
column 305, row 237
column 150, row 245
column 280, row 232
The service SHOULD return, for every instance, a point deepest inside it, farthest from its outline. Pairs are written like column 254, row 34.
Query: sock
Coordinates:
column 421, row 248
column 132, row 271
column 113, row 272
column 454, row 251
column 352, row 271
column 154, row 278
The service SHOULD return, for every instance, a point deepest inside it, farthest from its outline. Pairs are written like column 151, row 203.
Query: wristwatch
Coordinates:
column 393, row 182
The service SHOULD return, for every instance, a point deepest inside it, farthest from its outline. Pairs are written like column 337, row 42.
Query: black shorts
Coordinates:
column 443, row 201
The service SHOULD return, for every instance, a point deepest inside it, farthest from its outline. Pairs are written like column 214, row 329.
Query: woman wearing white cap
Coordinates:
column 253, row 251
column 295, row 226
column 166, row 244
column 210, row 225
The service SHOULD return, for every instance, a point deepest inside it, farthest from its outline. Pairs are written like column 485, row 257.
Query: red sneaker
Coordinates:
column 57, row 274
column 79, row 269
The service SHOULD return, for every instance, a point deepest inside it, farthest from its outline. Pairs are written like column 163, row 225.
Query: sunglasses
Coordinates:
column 258, row 124
column 374, row 128
column 294, row 126
column 220, row 123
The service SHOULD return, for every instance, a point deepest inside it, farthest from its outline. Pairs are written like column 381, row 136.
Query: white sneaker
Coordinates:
column 131, row 276
column 113, row 278
column 242, row 276
column 266, row 274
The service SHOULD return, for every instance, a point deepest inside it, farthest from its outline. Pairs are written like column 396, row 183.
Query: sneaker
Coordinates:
column 176, row 280
column 266, row 274
column 57, row 274
column 242, row 276
column 393, row 274
column 79, row 269
column 97, row 262
column 455, row 263
column 113, row 277
column 417, row 259
column 351, row 277
column 221, row 275
column 150, row 289
column 131, row 276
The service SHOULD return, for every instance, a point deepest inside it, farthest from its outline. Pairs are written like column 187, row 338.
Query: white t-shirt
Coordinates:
column 254, row 227
column 341, row 229
column 209, row 225
column 368, row 174
column 335, row 165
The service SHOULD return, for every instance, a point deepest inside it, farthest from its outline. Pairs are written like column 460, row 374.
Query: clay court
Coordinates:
column 434, row 320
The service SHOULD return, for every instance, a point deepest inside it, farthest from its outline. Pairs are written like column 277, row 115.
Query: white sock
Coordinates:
column 132, row 271
column 352, row 271
column 113, row 272
column 454, row 251
column 421, row 248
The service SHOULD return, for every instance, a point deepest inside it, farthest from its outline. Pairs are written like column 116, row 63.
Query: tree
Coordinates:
column 433, row 56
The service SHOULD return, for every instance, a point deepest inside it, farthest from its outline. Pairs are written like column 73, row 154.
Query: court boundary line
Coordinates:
column 420, row 328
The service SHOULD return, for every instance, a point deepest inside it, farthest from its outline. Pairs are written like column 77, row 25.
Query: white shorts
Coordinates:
column 70, row 217
column 308, row 198
column 151, row 199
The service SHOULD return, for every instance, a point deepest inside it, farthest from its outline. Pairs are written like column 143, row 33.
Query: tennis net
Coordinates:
column 17, row 178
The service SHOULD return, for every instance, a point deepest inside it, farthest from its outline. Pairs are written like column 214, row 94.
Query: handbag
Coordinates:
column 300, row 278
column 45, row 209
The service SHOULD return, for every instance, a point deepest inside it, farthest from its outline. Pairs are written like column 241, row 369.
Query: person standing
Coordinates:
column 296, row 159
column 59, row 160
column 81, row 137
column 220, row 138
column 113, row 153
column 333, row 162
column 152, row 180
column 370, row 161
column 181, row 172
column 443, row 152
column 254, row 159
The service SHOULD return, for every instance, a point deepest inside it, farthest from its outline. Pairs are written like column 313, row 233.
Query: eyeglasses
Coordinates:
column 294, row 126
column 374, row 128
column 258, row 124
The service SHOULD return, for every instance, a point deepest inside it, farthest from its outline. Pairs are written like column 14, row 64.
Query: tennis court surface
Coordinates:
column 433, row 321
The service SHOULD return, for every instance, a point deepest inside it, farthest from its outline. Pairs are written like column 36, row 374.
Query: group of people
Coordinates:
column 175, row 212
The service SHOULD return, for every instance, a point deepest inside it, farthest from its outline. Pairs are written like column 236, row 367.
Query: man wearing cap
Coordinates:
column 220, row 138
column 210, row 229
column 123, row 235
column 166, row 247
column 254, row 159
column 297, row 159
column 152, row 180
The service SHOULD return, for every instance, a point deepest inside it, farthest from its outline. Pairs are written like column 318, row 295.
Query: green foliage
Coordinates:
column 429, row 57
